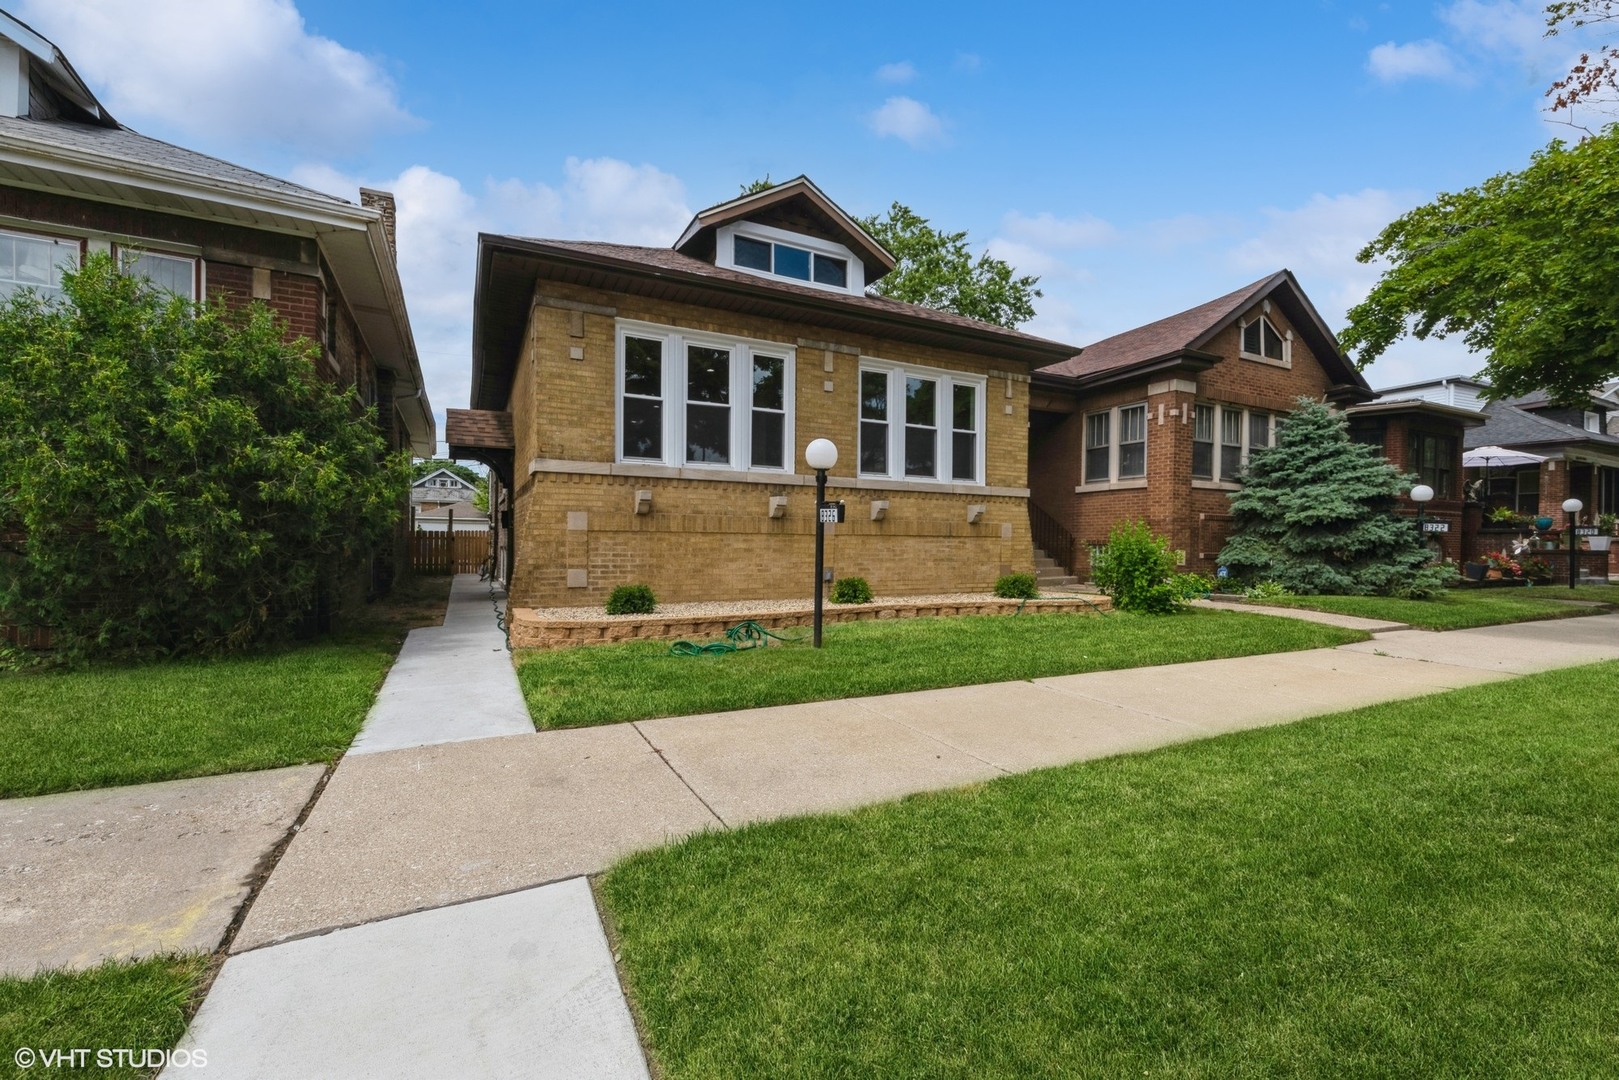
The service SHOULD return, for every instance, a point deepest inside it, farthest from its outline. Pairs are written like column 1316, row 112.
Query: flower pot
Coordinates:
column 1600, row 543
column 1492, row 575
column 1475, row 571
column 1543, row 523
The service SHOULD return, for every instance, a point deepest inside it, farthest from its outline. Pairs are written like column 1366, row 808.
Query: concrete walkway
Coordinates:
column 398, row 834
column 125, row 872
column 451, row 683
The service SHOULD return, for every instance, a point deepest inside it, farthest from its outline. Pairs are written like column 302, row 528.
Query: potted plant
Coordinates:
column 1604, row 539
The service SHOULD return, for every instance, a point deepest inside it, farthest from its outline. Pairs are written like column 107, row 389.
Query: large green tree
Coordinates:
column 173, row 477
column 1523, row 267
column 937, row 269
column 1316, row 513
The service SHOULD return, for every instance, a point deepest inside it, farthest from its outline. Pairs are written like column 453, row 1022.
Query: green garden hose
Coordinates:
column 744, row 635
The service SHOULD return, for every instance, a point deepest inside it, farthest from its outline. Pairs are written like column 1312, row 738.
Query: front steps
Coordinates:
column 1048, row 575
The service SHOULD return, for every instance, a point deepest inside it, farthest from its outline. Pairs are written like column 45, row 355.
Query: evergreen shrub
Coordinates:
column 1017, row 587
column 851, row 590
column 631, row 600
column 1317, row 514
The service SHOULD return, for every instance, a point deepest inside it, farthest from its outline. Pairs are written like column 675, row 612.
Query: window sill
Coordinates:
column 1111, row 485
column 1285, row 364
column 1216, row 485
column 651, row 470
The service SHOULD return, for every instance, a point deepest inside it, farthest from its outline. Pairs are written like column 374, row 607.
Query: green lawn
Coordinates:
column 1459, row 608
column 137, row 1005
column 607, row 683
column 1426, row 888
column 101, row 726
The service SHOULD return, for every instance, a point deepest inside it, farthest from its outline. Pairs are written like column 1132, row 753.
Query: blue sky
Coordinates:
column 1141, row 160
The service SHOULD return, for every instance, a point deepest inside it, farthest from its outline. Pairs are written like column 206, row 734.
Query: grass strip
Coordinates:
column 133, row 1005
column 106, row 725
column 1458, row 609
column 603, row 684
column 1426, row 888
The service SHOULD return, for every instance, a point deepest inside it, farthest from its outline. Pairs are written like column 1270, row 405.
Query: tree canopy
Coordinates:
column 936, row 269
column 1316, row 514
column 173, row 477
column 1522, row 266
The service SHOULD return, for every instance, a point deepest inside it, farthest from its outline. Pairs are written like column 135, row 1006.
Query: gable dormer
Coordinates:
column 790, row 232
column 37, row 82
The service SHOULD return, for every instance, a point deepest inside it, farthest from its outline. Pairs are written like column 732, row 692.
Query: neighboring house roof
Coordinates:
column 797, row 205
column 1509, row 426
column 460, row 481
column 84, row 153
column 510, row 266
column 1188, row 332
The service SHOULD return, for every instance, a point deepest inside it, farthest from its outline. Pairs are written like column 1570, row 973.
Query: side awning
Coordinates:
column 482, row 435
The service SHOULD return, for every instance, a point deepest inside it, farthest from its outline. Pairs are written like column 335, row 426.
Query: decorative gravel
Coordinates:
column 728, row 608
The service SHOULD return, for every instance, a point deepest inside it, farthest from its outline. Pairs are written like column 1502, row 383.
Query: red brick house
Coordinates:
column 73, row 181
column 1154, row 423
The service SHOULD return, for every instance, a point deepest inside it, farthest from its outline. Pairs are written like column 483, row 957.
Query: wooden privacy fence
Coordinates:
column 446, row 553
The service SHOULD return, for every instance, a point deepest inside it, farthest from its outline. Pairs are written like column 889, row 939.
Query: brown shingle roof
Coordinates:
column 669, row 259
column 479, row 427
column 1164, row 337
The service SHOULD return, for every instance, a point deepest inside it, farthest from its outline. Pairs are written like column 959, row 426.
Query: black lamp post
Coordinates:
column 1572, row 508
column 820, row 455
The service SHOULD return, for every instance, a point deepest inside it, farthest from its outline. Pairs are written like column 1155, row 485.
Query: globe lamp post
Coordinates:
column 1572, row 508
column 820, row 455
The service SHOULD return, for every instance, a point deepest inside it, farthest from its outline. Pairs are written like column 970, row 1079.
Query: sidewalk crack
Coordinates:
column 670, row 766
column 929, row 735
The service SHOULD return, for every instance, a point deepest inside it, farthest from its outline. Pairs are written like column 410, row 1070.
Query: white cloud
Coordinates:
column 439, row 221
column 1414, row 60
column 907, row 119
column 1502, row 26
column 1049, row 232
column 1319, row 241
column 902, row 72
column 223, row 69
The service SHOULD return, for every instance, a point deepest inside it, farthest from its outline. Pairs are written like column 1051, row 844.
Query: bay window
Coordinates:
column 1242, row 433
column 730, row 401
column 1433, row 457
column 1116, row 445
column 936, row 434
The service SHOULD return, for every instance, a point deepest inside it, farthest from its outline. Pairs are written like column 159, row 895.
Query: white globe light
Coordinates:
column 1421, row 493
column 1572, row 506
column 821, row 454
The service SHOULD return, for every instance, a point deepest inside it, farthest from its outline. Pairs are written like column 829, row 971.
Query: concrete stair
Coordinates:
column 1048, row 575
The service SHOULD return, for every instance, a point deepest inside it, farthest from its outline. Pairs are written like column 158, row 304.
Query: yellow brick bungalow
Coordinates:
column 644, row 412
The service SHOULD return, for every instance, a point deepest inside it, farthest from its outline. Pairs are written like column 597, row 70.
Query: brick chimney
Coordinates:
column 383, row 201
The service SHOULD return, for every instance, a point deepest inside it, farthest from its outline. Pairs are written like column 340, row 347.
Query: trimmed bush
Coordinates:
column 851, row 590
column 631, row 600
column 1017, row 587
column 1136, row 569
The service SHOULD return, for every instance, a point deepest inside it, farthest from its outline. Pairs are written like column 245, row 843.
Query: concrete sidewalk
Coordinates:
column 410, row 848
column 451, row 683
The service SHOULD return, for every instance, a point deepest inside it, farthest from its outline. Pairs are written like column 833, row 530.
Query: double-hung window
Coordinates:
column 1116, row 445
column 1434, row 457
column 35, row 262
column 1203, row 442
column 1230, row 443
column 700, row 399
column 920, row 424
column 174, row 274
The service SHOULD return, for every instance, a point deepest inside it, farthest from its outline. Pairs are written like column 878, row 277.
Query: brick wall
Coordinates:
column 1193, row 515
column 715, row 539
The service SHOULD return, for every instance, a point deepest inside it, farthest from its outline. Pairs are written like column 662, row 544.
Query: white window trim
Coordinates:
column 1218, row 479
column 725, row 255
column 675, row 339
column 53, row 238
column 1260, row 358
column 1115, row 429
column 198, row 281
column 943, row 419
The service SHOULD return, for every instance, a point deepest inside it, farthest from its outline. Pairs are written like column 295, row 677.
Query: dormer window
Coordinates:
column 1260, row 341
column 765, row 250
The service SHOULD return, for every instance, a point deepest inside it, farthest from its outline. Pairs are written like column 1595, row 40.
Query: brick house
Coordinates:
column 1154, row 423
column 644, row 413
column 74, row 181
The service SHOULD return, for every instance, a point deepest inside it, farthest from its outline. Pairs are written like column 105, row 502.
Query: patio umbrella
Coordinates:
column 1498, row 457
